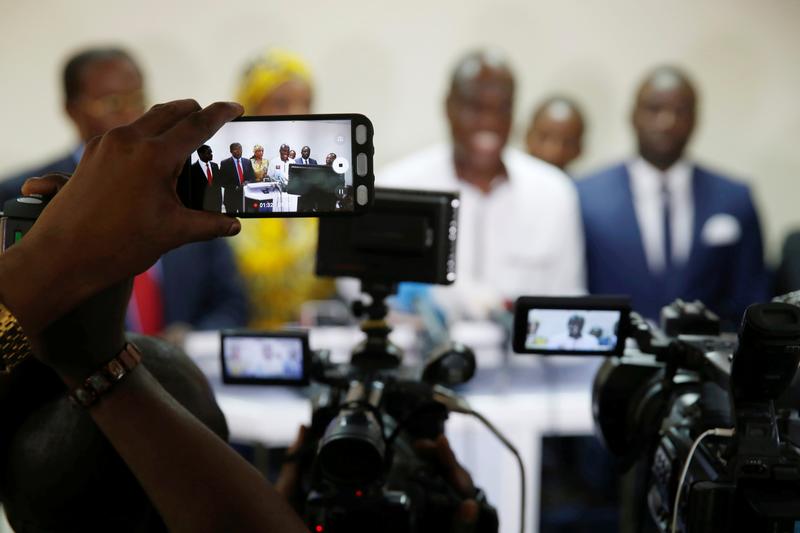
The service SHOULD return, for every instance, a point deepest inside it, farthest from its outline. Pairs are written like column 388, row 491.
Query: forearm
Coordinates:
column 194, row 479
column 32, row 290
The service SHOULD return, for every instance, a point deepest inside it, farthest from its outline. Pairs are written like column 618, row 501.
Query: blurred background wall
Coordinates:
column 391, row 61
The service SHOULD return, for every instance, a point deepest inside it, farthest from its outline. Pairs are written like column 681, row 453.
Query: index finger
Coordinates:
column 47, row 185
column 196, row 128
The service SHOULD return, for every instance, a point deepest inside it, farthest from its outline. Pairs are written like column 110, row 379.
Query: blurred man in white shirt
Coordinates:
column 573, row 338
column 279, row 167
column 519, row 223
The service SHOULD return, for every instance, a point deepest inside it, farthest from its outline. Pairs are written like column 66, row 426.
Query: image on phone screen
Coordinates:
column 266, row 166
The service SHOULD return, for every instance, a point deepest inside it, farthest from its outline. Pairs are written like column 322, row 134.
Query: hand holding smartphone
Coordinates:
column 288, row 166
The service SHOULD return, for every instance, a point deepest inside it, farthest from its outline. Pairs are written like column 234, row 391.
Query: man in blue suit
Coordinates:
column 660, row 227
column 305, row 157
column 198, row 285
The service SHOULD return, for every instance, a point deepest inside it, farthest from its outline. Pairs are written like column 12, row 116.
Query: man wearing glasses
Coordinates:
column 103, row 89
column 192, row 287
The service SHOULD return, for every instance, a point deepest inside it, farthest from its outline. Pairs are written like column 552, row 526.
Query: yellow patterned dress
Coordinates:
column 276, row 258
column 260, row 168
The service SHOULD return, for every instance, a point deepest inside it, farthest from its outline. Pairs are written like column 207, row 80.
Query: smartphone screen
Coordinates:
column 274, row 358
column 311, row 165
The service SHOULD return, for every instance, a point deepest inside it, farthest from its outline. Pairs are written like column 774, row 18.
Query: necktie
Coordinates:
column 147, row 303
column 667, row 230
column 208, row 174
column 239, row 169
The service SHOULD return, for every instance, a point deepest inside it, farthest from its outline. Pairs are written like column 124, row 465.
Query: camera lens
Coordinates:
column 352, row 450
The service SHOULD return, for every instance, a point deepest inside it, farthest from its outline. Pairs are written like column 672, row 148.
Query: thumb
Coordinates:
column 465, row 519
column 205, row 225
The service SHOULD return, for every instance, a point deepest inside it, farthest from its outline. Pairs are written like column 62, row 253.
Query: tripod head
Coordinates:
column 377, row 352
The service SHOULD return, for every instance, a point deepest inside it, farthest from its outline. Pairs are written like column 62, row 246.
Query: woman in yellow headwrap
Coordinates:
column 276, row 256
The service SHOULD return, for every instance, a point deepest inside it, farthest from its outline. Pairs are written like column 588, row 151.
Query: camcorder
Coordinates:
column 359, row 468
column 705, row 423
column 17, row 217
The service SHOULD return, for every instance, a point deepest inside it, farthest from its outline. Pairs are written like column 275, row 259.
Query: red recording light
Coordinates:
column 359, row 494
column 319, row 528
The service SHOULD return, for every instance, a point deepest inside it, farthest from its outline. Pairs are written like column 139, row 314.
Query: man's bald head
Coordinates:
column 664, row 115
column 479, row 107
column 481, row 66
column 556, row 131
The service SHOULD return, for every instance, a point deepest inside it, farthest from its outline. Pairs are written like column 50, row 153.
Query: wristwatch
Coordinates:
column 14, row 345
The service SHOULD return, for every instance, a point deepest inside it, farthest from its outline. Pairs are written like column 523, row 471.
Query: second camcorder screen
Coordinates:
column 571, row 325
column 302, row 166
column 564, row 330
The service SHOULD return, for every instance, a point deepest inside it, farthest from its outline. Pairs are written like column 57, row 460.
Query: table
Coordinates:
column 267, row 196
column 526, row 397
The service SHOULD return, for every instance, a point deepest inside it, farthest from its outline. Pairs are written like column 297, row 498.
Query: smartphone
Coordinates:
column 584, row 325
column 265, row 358
column 287, row 166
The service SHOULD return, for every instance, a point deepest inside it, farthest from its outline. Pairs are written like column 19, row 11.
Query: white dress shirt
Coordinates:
column 204, row 166
column 279, row 170
column 646, row 187
column 522, row 238
column 566, row 342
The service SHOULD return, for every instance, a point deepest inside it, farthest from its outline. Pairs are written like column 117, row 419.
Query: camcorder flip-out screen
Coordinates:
column 287, row 166
column 408, row 235
column 260, row 358
column 588, row 325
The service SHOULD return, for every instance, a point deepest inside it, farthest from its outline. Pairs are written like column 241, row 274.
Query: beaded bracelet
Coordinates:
column 106, row 377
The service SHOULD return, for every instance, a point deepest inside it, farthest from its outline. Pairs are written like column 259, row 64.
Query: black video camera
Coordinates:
column 17, row 218
column 359, row 469
column 703, row 421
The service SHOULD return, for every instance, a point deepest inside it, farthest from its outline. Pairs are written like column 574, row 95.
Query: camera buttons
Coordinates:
column 361, row 164
column 34, row 199
column 362, row 195
column 361, row 134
